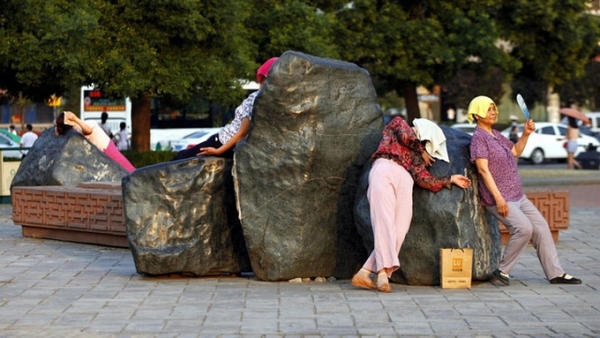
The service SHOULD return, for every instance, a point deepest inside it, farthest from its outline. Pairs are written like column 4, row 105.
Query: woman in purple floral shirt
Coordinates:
column 502, row 194
column 399, row 162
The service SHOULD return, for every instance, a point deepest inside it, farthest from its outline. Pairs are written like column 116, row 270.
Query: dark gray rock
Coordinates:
column 446, row 219
column 181, row 218
column 65, row 160
column 316, row 122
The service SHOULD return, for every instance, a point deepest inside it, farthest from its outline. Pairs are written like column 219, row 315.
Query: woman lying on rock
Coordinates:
column 94, row 134
column 399, row 162
column 222, row 143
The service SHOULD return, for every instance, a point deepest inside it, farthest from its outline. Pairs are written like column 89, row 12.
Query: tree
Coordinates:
column 139, row 49
column 552, row 40
column 44, row 46
column 404, row 44
column 276, row 26
column 174, row 48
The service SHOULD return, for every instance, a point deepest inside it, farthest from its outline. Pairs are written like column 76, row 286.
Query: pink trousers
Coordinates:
column 114, row 153
column 390, row 199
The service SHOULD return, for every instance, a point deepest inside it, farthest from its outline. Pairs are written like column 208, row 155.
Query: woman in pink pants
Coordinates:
column 93, row 133
column 399, row 162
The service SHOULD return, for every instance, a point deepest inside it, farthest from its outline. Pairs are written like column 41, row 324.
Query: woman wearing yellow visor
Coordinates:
column 501, row 193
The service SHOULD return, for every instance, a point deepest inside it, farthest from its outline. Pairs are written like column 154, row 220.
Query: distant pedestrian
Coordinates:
column 571, row 145
column 12, row 129
column 122, row 137
column 28, row 139
column 104, row 125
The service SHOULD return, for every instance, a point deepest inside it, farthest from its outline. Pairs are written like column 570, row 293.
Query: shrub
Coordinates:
column 142, row 159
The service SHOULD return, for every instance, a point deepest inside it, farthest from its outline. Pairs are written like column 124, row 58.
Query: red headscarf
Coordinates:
column 263, row 70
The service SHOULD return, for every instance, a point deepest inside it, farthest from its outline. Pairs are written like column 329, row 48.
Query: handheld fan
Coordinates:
column 523, row 106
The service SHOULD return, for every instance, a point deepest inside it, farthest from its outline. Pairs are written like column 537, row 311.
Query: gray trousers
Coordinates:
column 525, row 223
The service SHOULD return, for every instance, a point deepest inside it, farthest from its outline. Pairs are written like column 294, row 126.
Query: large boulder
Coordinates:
column 181, row 218
column 65, row 160
column 316, row 122
column 446, row 219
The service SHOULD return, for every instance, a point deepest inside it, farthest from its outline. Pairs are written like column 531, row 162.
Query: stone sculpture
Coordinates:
column 316, row 122
column 180, row 218
column 65, row 160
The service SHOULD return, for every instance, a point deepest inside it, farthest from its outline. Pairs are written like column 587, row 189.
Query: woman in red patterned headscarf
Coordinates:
column 399, row 162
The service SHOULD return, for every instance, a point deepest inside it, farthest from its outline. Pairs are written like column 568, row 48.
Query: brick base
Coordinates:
column 75, row 214
column 554, row 206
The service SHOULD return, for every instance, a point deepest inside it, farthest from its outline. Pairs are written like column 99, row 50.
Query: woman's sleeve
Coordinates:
column 478, row 148
column 425, row 180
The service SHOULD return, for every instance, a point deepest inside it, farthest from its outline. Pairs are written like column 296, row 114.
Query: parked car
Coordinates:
column 194, row 138
column 594, row 121
column 548, row 142
column 468, row 128
column 13, row 137
column 6, row 142
column 587, row 131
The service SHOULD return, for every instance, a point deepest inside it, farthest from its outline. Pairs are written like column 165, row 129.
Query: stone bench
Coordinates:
column 90, row 213
column 554, row 206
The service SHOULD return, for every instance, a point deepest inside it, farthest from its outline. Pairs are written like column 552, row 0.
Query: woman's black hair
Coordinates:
column 61, row 127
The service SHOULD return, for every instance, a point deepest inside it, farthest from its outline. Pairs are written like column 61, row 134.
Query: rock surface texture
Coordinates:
column 446, row 219
column 181, row 218
column 65, row 160
column 315, row 124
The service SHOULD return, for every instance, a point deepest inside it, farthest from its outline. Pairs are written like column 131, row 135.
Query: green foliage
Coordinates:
column 552, row 40
column 584, row 91
column 405, row 44
column 146, row 158
column 417, row 42
column 276, row 26
column 469, row 83
column 178, row 48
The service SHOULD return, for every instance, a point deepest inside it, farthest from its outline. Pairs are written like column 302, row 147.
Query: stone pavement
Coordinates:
column 60, row 289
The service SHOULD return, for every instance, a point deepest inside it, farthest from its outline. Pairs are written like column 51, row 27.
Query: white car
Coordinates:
column 548, row 142
column 594, row 121
column 6, row 142
column 192, row 139
column 468, row 128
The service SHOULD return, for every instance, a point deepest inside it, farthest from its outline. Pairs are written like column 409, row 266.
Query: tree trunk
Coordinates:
column 412, row 102
column 140, row 123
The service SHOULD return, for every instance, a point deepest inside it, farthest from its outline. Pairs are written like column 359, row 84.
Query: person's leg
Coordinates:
column 403, row 217
column 114, row 153
column 520, row 229
column 382, row 200
column 381, row 195
column 569, row 160
column 212, row 141
column 542, row 241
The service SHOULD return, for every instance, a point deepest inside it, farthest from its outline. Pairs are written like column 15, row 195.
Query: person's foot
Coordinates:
column 363, row 282
column 501, row 276
column 384, row 288
column 383, row 284
column 565, row 279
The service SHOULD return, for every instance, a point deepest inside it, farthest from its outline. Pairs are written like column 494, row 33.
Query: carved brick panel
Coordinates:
column 553, row 205
column 96, row 215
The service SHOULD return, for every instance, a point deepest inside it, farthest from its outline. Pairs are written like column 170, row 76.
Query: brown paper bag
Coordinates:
column 456, row 266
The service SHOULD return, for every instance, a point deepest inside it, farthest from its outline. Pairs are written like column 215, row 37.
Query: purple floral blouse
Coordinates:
column 400, row 144
column 501, row 163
